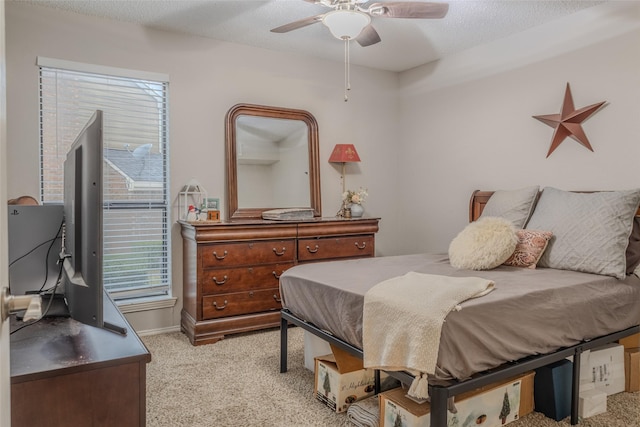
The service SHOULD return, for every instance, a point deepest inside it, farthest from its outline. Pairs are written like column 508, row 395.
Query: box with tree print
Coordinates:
column 491, row 406
column 338, row 388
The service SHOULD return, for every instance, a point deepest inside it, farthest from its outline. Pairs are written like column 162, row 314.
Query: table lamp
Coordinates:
column 344, row 153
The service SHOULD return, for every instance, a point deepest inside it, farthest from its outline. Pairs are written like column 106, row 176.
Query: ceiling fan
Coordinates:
column 351, row 19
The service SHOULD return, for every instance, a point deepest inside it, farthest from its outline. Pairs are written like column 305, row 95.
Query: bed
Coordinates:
column 536, row 316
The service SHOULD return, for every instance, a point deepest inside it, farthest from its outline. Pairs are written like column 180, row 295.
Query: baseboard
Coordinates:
column 158, row 331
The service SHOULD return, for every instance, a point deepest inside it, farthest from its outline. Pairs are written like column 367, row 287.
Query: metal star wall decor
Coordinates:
column 568, row 123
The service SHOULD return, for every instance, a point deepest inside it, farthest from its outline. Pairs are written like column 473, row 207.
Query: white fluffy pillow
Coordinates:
column 483, row 244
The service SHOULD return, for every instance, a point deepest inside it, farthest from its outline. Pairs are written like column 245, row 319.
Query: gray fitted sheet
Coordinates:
column 531, row 311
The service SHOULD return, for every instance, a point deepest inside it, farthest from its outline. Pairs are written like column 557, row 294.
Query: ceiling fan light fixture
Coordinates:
column 346, row 24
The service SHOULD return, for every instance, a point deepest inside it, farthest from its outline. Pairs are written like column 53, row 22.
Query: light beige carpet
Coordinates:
column 237, row 382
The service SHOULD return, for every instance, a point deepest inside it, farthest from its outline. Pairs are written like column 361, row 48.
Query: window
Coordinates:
column 136, row 231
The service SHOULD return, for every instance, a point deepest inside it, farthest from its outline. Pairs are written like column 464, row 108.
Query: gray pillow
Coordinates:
column 590, row 230
column 514, row 205
column 633, row 250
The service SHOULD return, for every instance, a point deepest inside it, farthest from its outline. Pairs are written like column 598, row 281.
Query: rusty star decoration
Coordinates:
column 568, row 123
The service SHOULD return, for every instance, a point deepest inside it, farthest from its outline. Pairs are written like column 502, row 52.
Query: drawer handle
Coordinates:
column 220, row 258
column 220, row 283
column 215, row 304
column 276, row 275
column 275, row 251
column 275, row 297
column 313, row 251
column 364, row 245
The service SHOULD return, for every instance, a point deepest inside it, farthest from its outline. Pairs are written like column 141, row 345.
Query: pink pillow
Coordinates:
column 530, row 247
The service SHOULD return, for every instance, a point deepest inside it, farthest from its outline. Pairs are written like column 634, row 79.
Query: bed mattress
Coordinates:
column 530, row 312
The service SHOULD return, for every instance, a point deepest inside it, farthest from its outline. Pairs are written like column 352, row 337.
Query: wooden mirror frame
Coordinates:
column 235, row 212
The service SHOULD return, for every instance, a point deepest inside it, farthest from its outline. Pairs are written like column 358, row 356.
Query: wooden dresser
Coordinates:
column 231, row 269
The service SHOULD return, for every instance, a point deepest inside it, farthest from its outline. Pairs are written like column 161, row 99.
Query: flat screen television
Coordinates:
column 82, row 249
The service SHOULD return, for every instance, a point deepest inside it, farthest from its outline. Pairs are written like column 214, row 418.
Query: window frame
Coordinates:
column 149, row 295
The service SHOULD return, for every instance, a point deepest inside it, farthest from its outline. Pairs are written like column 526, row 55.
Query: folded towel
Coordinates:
column 365, row 413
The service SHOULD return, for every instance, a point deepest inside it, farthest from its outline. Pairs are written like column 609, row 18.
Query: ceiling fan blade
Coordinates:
column 297, row 24
column 404, row 9
column 368, row 36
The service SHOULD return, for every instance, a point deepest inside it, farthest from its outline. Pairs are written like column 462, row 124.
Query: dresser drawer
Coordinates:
column 247, row 253
column 237, row 303
column 335, row 247
column 226, row 280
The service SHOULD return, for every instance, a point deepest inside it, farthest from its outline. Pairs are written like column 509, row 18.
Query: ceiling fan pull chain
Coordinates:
column 347, row 70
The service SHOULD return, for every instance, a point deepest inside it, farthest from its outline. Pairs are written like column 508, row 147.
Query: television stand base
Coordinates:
column 115, row 328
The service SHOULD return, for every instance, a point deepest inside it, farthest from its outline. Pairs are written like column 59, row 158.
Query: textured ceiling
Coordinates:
column 406, row 43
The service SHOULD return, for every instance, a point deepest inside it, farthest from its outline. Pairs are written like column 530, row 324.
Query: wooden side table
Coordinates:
column 65, row 373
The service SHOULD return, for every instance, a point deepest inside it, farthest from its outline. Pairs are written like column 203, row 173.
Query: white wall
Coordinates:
column 467, row 120
column 207, row 78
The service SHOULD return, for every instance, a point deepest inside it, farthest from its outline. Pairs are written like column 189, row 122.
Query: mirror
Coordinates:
column 272, row 160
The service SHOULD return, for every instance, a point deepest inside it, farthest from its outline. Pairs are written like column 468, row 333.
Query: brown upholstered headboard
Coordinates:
column 480, row 198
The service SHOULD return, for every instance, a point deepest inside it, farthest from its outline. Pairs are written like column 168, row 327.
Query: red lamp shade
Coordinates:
column 343, row 153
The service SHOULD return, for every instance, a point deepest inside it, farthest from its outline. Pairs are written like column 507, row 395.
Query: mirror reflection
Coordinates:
column 272, row 160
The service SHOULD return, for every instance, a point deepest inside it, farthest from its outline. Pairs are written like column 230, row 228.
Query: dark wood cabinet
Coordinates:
column 65, row 373
column 232, row 269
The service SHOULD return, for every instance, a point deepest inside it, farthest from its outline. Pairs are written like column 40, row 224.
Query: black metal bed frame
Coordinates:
column 440, row 393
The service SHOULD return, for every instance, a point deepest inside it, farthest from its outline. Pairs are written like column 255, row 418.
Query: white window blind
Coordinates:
column 136, row 231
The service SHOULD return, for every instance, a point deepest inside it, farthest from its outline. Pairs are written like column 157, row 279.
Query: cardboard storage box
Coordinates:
column 585, row 370
column 490, row 406
column 396, row 409
column 632, row 341
column 592, row 401
column 606, row 367
column 632, row 369
column 340, row 380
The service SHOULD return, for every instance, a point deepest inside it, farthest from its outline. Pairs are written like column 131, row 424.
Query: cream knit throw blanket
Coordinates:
column 403, row 319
